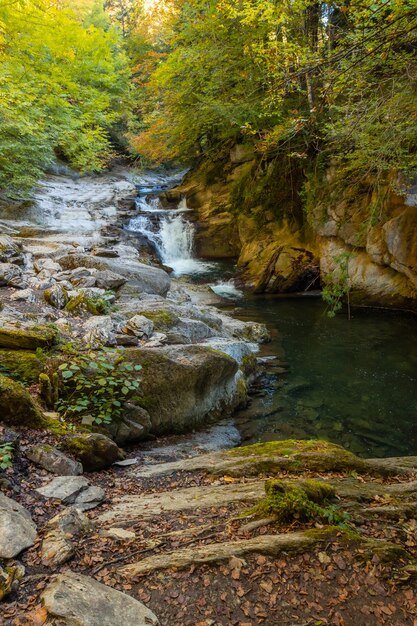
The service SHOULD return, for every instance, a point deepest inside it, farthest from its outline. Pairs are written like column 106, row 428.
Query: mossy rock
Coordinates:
column 21, row 365
column 316, row 490
column 298, row 456
column 307, row 501
column 95, row 451
column 17, row 407
column 83, row 302
column 28, row 338
column 163, row 320
column 386, row 551
column 184, row 386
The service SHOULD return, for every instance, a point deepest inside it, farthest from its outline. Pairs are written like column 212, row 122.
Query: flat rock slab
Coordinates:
column 129, row 507
column 89, row 498
column 65, row 488
column 17, row 530
column 74, row 490
column 77, row 599
column 201, row 462
column 265, row 544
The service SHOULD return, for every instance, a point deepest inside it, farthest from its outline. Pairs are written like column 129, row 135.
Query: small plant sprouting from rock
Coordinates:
column 301, row 503
column 6, row 455
column 95, row 386
column 337, row 285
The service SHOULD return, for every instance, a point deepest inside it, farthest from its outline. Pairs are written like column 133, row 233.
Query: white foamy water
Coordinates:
column 227, row 289
column 171, row 235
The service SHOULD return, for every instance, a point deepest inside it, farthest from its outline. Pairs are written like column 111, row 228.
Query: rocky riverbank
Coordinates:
column 71, row 275
column 94, row 534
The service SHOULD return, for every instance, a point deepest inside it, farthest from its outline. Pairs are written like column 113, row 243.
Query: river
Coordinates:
column 352, row 382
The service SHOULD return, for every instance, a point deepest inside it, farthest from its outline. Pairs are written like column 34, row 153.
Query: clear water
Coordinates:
column 352, row 382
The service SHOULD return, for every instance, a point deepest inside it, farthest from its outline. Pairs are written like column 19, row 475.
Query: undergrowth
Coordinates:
column 289, row 503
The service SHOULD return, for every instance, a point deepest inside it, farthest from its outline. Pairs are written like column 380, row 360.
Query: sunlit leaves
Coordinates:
column 63, row 81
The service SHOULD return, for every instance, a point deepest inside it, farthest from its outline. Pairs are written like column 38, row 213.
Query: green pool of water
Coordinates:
column 352, row 382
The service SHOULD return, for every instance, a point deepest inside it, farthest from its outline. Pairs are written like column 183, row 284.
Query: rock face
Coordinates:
column 17, row 530
column 95, row 451
column 77, row 599
column 281, row 249
column 53, row 460
column 17, row 406
column 183, row 385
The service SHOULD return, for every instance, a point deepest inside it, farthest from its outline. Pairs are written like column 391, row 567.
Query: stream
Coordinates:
column 351, row 382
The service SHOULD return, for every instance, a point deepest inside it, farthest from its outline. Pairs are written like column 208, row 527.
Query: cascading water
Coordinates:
column 170, row 234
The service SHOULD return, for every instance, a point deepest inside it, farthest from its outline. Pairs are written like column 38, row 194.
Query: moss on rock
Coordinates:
column 299, row 503
column 21, row 365
column 163, row 320
column 297, row 455
column 95, row 451
column 17, row 407
column 40, row 336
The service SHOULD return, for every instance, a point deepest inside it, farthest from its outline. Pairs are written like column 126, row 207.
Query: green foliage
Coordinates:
column 63, row 80
column 304, row 79
column 94, row 386
column 337, row 285
column 289, row 503
column 6, row 455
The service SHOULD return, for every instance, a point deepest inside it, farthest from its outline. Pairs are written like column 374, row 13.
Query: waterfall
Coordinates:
column 170, row 234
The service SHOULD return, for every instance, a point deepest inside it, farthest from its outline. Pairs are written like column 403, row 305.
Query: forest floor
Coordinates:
column 334, row 581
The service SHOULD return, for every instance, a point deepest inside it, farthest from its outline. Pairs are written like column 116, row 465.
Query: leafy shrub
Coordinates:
column 6, row 455
column 95, row 385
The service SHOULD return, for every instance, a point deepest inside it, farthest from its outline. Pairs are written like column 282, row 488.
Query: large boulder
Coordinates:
column 146, row 278
column 134, row 425
column 95, row 451
column 189, row 331
column 17, row 407
column 17, row 530
column 57, row 545
column 182, row 386
column 106, row 279
column 77, row 599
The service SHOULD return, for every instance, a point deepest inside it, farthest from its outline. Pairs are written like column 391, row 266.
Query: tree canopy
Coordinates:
column 302, row 76
column 177, row 79
column 63, row 85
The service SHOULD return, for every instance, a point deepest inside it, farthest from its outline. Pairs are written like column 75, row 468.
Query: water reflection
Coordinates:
column 352, row 382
